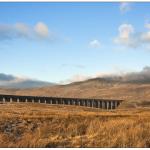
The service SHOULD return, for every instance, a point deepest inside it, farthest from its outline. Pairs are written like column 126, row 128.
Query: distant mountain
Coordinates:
column 28, row 84
column 11, row 81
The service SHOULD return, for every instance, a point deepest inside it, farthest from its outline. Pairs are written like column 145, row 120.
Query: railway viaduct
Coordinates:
column 96, row 103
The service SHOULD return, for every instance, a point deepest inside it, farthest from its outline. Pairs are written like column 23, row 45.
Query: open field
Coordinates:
column 41, row 125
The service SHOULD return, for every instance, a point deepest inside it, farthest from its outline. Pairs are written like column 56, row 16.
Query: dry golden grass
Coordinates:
column 41, row 125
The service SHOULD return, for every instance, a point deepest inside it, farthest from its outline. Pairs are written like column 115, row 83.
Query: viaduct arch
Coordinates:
column 95, row 103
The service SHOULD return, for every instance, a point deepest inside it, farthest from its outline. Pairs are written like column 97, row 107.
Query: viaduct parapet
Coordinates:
column 95, row 103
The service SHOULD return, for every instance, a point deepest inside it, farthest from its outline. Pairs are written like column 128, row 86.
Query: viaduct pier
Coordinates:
column 95, row 103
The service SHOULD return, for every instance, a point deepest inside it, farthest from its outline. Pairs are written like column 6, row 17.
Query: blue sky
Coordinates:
column 71, row 41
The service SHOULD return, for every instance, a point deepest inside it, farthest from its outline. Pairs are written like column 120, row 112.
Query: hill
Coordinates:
column 134, row 93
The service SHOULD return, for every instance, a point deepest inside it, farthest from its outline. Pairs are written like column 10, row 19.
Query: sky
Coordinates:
column 62, row 41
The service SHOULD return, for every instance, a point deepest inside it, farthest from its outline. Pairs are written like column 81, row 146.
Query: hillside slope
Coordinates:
column 131, row 92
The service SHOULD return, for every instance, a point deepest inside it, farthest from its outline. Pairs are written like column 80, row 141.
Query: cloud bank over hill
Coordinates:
column 142, row 76
column 10, row 81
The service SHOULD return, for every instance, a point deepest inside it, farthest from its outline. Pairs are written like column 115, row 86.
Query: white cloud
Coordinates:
column 42, row 30
column 147, row 25
column 75, row 78
column 128, row 37
column 145, row 37
column 125, row 30
column 125, row 7
column 95, row 44
column 79, row 77
column 22, row 30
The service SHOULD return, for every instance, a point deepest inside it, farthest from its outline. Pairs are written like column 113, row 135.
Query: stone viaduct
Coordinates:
column 96, row 103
